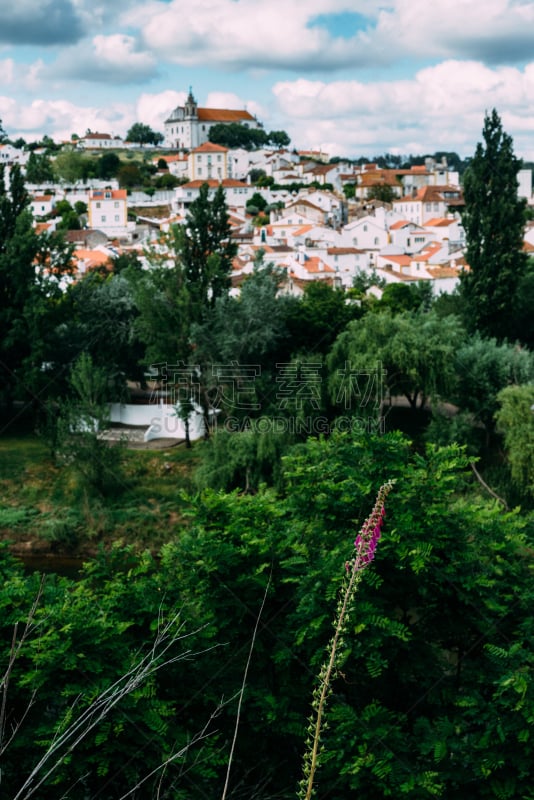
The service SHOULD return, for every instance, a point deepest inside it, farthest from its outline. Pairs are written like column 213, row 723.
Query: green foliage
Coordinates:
column 515, row 420
column 108, row 166
column 493, row 220
column 382, row 192
column 143, row 134
column 81, row 423
column 234, row 135
column 406, row 296
column 70, row 167
column 415, row 352
column 39, row 169
column 433, row 692
column 31, row 268
column 257, row 202
column 316, row 319
column 483, row 368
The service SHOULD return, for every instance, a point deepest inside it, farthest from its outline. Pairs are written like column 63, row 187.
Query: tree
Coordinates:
column 318, row 317
column 382, row 192
column 493, row 220
column 143, row 134
column 484, row 367
column 129, row 176
column 31, row 267
column 256, row 203
column 207, row 250
column 72, row 167
column 108, row 166
column 515, row 420
column 279, row 139
column 413, row 350
column 39, row 169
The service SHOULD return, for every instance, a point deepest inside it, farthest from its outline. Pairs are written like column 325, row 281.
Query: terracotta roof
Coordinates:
column 92, row 258
column 315, row 265
column 96, row 136
column 443, row 272
column 42, row 227
column 108, row 194
column 439, row 222
column 306, row 204
column 223, row 115
column 427, row 252
column 209, row 147
column 343, row 251
column 401, row 223
column 303, row 230
column 402, row 260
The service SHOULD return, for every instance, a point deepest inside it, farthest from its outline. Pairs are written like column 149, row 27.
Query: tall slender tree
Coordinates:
column 493, row 220
column 31, row 266
column 207, row 250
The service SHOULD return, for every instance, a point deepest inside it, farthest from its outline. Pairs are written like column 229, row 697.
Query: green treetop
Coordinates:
column 493, row 220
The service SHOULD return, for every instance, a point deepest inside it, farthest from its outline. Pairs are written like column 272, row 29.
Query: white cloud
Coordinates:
column 237, row 33
column 113, row 59
column 441, row 107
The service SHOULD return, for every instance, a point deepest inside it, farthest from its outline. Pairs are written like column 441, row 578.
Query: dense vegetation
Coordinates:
column 184, row 656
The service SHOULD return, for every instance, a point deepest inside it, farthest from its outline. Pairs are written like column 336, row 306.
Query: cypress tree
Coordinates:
column 493, row 219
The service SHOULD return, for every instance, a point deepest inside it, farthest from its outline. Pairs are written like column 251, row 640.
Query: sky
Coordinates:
column 351, row 78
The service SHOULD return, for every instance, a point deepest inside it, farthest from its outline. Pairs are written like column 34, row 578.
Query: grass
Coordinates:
column 41, row 500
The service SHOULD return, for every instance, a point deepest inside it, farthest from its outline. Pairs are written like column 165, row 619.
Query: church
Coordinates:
column 188, row 126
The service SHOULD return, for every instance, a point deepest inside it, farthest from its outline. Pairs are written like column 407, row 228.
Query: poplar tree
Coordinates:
column 207, row 251
column 493, row 219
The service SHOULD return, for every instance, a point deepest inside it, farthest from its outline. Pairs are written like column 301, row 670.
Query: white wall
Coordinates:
column 160, row 420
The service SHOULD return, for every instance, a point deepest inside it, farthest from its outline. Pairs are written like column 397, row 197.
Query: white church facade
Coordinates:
column 188, row 126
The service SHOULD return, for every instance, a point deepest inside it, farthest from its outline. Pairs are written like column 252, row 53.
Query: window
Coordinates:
column 377, row 241
column 116, row 204
column 117, row 218
column 103, row 218
column 98, row 205
column 365, row 228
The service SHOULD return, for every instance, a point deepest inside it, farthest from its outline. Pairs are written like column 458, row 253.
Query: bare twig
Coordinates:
column 483, row 483
column 241, row 693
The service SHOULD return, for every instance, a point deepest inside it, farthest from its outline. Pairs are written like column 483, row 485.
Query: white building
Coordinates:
column 188, row 126
column 237, row 193
column 108, row 211
column 99, row 141
column 208, row 161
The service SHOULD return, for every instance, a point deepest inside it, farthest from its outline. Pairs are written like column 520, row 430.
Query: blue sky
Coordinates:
column 357, row 78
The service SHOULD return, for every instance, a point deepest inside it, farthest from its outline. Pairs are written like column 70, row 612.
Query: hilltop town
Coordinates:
column 316, row 216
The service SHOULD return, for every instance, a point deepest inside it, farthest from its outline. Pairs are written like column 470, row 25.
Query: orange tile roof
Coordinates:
column 315, row 265
column 209, row 147
column 92, row 258
column 303, row 230
column 343, row 251
column 401, row 223
column 402, row 260
column 103, row 194
column 443, row 272
column 223, row 115
column 439, row 222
